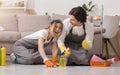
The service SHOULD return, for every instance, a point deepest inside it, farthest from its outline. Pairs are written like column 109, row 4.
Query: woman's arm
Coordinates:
column 54, row 49
column 55, row 54
column 89, row 34
column 41, row 49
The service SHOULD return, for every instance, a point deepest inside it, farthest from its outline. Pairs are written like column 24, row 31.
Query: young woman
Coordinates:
column 31, row 48
column 77, row 35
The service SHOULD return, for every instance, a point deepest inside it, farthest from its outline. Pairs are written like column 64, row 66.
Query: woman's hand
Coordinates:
column 66, row 52
column 48, row 63
column 86, row 44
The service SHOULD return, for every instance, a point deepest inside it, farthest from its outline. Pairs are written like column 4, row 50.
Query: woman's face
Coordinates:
column 74, row 21
column 57, row 28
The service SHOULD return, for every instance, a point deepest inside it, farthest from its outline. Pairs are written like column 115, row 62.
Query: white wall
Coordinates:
column 111, row 7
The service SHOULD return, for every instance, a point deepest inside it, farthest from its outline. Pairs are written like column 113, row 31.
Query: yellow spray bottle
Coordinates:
column 63, row 61
column 0, row 56
column 64, row 58
column 3, row 49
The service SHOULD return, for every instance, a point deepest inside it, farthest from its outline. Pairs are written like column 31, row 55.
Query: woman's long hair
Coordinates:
column 55, row 21
column 79, row 13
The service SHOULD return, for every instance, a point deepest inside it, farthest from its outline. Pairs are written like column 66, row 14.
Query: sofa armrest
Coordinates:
column 99, row 30
column 9, row 36
column 97, row 42
column 26, row 33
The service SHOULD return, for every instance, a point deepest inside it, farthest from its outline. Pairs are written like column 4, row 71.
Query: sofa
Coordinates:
column 15, row 27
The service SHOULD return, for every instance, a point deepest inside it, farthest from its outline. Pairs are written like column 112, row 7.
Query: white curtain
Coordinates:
column 30, row 6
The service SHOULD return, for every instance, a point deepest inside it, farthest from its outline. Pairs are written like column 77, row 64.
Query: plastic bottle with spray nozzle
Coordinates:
column 3, row 55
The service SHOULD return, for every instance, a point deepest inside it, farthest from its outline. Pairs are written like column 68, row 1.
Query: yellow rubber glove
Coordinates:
column 48, row 63
column 62, row 49
column 86, row 44
column 55, row 61
column 67, row 52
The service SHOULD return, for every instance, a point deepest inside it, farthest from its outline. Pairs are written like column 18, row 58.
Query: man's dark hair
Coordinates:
column 79, row 13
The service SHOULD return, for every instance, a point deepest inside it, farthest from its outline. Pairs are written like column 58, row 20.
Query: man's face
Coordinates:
column 74, row 21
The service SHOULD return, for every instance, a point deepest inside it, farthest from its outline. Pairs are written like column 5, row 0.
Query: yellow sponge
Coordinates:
column 86, row 44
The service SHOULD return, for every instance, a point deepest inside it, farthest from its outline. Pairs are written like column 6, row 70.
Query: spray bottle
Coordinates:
column 3, row 53
column 113, row 60
column 0, row 55
column 64, row 57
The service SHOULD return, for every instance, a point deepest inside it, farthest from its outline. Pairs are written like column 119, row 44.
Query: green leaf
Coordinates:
column 88, row 7
column 91, row 7
column 90, row 3
column 85, row 7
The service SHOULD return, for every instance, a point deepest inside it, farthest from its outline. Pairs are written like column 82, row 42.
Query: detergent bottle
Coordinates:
column 3, row 52
column 0, row 56
column 63, row 61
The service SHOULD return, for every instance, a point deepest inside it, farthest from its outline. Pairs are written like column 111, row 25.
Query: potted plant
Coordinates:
column 88, row 7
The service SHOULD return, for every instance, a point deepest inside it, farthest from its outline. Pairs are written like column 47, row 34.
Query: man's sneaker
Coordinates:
column 12, row 57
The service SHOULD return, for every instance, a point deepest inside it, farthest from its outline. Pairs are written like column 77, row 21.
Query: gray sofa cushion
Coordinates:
column 28, row 23
column 8, row 22
column 99, row 30
column 9, row 36
column 59, row 16
column 25, row 33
